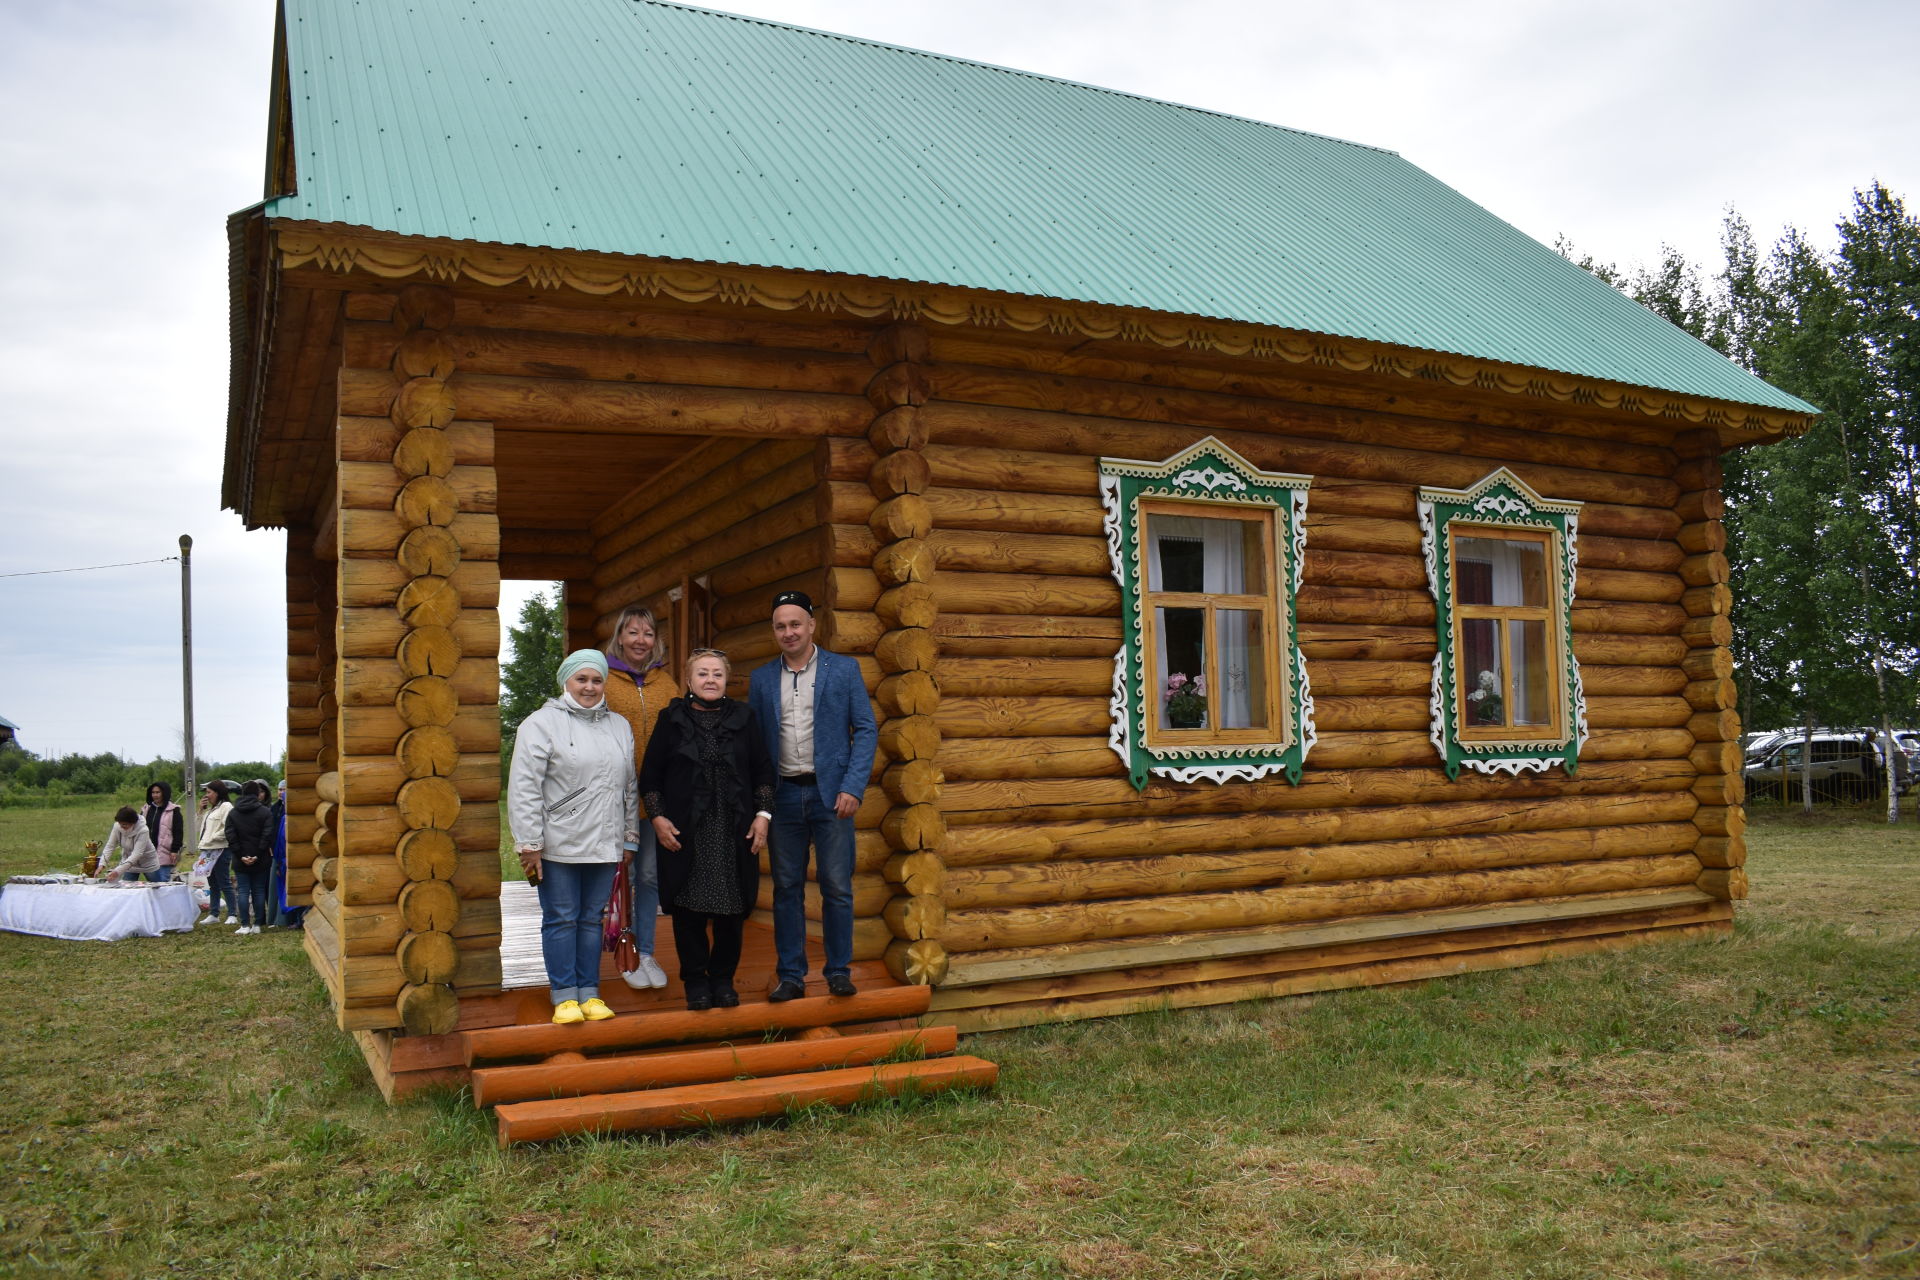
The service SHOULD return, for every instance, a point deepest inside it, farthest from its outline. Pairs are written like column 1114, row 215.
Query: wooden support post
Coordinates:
column 907, row 650
column 393, row 810
column 1708, row 665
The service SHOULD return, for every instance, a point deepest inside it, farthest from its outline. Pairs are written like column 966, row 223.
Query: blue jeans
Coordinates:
column 251, row 887
column 645, row 878
column 801, row 819
column 572, row 896
column 160, row 875
column 220, row 885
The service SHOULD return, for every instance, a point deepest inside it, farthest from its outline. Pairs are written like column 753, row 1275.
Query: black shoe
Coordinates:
column 699, row 995
column 840, row 984
column 724, row 996
column 787, row 990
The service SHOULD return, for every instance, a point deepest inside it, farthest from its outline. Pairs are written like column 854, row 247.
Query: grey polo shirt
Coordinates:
column 796, row 714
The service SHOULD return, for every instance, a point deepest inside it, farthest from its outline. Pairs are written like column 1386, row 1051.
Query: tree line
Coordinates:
column 28, row 779
column 1824, row 529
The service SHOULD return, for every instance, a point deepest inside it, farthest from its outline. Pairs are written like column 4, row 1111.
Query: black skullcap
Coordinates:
column 800, row 598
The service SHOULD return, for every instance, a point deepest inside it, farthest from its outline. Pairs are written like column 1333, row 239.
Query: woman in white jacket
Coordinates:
column 574, row 806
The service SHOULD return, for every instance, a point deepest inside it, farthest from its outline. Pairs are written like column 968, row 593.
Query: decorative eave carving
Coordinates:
column 392, row 257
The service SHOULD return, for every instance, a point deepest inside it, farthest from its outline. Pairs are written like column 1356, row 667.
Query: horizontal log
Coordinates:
column 1637, row 713
column 1093, row 436
column 1043, row 799
column 1356, row 679
column 1363, row 569
column 795, row 515
column 1628, row 585
column 1003, row 552
column 1122, row 834
column 1327, row 531
column 1370, row 714
column 961, row 759
column 1627, row 617
column 1029, row 594
column 373, row 486
column 374, row 438
column 377, row 930
column 1245, row 409
column 367, row 731
column 1346, row 641
column 377, row 633
column 1013, row 511
column 375, row 682
column 1712, row 632
column 1601, row 649
column 526, row 404
column 377, row 535
column 1633, row 681
column 1021, row 715
column 377, row 780
column 1036, row 677
column 1377, row 606
column 621, row 555
column 1049, row 882
column 609, row 358
column 985, row 929
column 379, row 880
column 1643, row 555
column 1704, row 537
column 1012, row 470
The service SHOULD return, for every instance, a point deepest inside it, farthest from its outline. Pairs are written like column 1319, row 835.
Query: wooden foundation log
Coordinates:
column 985, row 929
column 921, row 963
column 430, row 1010
column 1728, row 885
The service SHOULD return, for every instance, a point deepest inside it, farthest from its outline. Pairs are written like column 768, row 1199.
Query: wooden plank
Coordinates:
column 700, row 1105
column 495, row 1085
column 978, row 968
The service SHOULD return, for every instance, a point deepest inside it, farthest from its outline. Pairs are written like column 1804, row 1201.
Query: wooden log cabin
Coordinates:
column 1274, row 573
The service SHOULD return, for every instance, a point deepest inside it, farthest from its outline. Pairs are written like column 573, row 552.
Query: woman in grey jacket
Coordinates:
column 574, row 806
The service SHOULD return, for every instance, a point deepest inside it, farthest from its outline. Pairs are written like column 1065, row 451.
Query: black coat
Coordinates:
column 250, row 835
column 671, row 774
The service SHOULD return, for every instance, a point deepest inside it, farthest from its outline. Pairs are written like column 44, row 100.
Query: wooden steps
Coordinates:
column 699, row 1105
column 678, row 1069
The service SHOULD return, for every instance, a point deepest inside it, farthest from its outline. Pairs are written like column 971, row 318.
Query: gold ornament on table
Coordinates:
column 90, row 865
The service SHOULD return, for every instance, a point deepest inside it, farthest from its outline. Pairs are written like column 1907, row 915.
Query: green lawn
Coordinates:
column 1748, row 1107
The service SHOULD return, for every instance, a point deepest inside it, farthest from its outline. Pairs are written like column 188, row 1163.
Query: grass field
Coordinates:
column 1747, row 1107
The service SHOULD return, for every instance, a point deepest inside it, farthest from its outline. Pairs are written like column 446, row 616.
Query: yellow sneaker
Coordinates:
column 595, row 1010
column 568, row 1012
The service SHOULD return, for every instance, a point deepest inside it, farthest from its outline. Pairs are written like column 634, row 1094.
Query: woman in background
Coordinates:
column 250, row 849
column 166, row 828
column 129, row 834
column 573, row 807
column 639, row 687
column 215, row 807
column 708, row 787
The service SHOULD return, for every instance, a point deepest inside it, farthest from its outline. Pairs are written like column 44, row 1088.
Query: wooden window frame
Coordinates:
column 1277, row 724
column 1550, row 613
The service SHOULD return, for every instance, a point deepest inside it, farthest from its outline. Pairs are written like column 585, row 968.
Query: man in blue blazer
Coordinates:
column 812, row 705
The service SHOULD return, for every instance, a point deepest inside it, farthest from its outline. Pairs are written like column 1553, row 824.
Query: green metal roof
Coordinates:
column 645, row 128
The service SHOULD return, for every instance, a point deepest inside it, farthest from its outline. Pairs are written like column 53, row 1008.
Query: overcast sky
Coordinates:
column 133, row 128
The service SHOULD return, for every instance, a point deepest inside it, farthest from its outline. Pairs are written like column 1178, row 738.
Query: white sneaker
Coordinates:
column 656, row 976
column 232, row 920
column 202, row 920
column 252, row 928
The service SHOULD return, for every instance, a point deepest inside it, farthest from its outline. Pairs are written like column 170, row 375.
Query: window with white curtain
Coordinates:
column 1211, row 595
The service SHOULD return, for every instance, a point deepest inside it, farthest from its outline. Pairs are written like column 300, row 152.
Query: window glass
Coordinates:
column 1483, row 672
column 1198, row 555
column 1180, row 663
column 1532, row 685
column 1242, row 666
column 1500, row 571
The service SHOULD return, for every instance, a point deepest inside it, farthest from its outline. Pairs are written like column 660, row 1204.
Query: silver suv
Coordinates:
column 1847, row 765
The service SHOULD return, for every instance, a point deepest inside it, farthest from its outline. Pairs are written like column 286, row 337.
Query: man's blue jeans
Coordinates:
column 800, row 819
column 572, row 896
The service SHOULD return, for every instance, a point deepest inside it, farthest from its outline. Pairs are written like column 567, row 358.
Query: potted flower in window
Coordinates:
column 1488, row 706
column 1186, row 701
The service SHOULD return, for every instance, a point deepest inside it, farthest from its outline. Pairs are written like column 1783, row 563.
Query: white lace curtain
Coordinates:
column 1223, row 572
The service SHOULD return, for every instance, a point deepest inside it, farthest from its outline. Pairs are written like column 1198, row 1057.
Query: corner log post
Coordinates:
column 908, row 653
column 1715, row 725
column 312, row 710
column 406, row 941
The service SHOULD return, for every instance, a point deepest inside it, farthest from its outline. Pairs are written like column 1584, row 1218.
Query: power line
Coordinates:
column 124, row 564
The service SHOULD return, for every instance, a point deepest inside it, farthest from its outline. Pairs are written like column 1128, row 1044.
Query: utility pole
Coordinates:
column 192, row 797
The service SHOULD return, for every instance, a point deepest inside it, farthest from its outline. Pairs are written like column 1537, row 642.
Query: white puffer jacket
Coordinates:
column 571, row 793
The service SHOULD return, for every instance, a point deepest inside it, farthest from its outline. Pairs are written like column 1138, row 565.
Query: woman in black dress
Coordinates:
column 707, row 784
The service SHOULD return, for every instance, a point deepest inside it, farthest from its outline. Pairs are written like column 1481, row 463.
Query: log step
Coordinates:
column 696, row 1106
column 495, row 1085
column 680, row 1026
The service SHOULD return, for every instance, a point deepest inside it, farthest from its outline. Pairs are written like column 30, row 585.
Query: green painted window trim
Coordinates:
column 1206, row 472
column 1501, row 500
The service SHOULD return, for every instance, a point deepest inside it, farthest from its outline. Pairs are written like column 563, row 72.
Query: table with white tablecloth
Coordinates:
column 97, row 912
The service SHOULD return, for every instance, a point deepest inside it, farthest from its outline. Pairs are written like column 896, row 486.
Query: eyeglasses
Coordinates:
column 708, row 653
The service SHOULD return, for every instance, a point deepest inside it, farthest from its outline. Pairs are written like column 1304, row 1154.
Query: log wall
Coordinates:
column 406, row 900
column 1050, row 868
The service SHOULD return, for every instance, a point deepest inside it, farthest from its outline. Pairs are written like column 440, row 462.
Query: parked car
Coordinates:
column 1846, row 765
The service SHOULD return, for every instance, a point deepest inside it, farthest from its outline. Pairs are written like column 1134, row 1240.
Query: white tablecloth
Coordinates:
column 97, row 912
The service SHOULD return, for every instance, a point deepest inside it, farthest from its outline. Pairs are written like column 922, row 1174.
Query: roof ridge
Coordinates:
column 1012, row 71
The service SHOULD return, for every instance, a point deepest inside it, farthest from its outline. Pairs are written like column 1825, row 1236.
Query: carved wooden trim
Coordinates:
column 393, row 257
